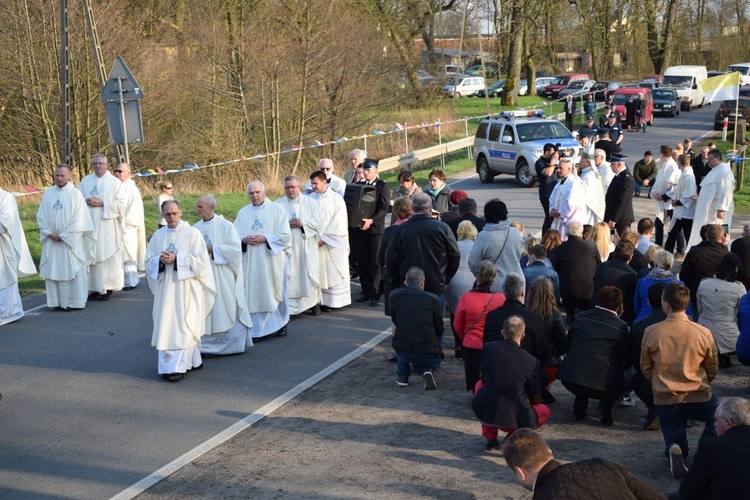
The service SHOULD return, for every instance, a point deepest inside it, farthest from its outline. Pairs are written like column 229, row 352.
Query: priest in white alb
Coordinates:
column 334, row 245
column 568, row 200
column 134, row 234
column 265, row 234
column 179, row 275
column 228, row 323
column 594, row 189
column 715, row 203
column 15, row 259
column 662, row 191
column 305, row 220
column 106, row 201
column 336, row 183
column 67, row 238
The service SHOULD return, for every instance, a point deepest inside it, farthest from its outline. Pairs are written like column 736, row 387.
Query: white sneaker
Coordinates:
column 626, row 401
column 429, row 381
column 676, row 464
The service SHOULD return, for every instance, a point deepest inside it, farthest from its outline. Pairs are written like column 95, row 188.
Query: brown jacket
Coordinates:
column 679, row 358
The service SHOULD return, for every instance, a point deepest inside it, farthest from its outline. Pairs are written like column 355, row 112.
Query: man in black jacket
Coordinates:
column 425, row 242
column 719, row 469
column 575, row 262
column 610, row 271
column 545, row 168
column 618, row 212
column 368, row 237
column 467, row 210
column 702, row 259
column 535, row 340
column 532, row 463
column 418, row 329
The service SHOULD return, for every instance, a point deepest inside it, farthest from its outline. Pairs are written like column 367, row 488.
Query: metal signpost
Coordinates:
column 121, row 96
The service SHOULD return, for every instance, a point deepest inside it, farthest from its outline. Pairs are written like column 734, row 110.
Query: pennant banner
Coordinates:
column 722, row 87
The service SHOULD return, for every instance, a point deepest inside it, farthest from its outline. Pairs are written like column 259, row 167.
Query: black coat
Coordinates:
column 719, row 468
column 575, row 262
column 619, row 200
column 701, row 262
column 607, row 273
column 382, row 205
column 741, row 248
column 535, row 342
column 593, row 479
column 699, row 169
column 425, row 242
column 598, row 351
column 636, row 334
column 511, row 385
column 418, row 319
column 477, row 221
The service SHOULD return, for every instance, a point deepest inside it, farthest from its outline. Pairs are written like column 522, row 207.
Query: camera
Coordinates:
column 564, row 153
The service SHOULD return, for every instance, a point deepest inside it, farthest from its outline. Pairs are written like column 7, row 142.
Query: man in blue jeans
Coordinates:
column 678, row 358
column 417, row 329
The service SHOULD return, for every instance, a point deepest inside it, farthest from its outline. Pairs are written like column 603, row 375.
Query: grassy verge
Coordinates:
column 741, row 196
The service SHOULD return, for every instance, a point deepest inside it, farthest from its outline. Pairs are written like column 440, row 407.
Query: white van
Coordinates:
column 743, row 69
column 467, row 86
column 685, row 80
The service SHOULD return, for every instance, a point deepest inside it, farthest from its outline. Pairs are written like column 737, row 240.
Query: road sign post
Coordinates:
column 121, row 96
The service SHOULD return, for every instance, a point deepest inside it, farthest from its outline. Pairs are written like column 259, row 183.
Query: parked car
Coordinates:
column 666, row 102
column 490, row 70
column 448, row 70
column 732, row 109
column 743, row 69
column 621, row 96
column 493, row 90
column 466, row 86
column 539, row 83
column 650, row 84
column 577, row 88
column 603, row 90
column 512, row 142
column 560, row 82
column 714, row 72
column 745, row 91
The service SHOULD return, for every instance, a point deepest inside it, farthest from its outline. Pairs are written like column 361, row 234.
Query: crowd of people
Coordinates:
column 630, row 324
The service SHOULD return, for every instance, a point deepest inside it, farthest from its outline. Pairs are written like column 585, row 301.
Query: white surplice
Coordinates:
column 667, row 177
column 337, row 184
column 106, row 272
column 334, row 253
column 569, row 199
column 265, row 266
column 304, row 262
column 717, row 193
column 134, row 235
column 15, row 259
column 63, row 212
column 228, row 323
column 605, row 174
column 184, row 293
column 594, row 189
column 687, row 192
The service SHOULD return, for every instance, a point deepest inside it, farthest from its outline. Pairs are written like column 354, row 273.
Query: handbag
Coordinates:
column 484, row 310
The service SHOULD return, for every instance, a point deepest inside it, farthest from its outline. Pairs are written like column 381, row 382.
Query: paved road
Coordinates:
column 85, row 415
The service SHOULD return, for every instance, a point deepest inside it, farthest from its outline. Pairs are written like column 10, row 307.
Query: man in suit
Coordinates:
column 368, row 238
column 467, row 210
column 618, row 213
column 609, row 272
column 700, row 166
column 575, row 262
column 570, row 112
column 719, row 469
column 508, row 396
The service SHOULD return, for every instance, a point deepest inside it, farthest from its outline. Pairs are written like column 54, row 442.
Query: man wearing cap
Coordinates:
column 604, row 119
column 589, row 130
column 368, row 237
column 618, row 213
column 615, row 132
column 338, row 184
column 644, row 172
column 545, row 172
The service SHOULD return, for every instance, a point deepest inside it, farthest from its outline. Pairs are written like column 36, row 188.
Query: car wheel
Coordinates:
column 483, row 169
column 690, row 106
column 702, row 102
column 524, row 175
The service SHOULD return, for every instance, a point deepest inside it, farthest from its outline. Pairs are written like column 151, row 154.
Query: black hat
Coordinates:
column 618, row 157
column 369, row 163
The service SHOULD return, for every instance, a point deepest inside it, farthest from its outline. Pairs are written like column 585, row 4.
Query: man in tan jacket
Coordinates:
column 679, row 358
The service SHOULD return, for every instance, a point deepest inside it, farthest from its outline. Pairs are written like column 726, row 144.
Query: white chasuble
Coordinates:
column 717, row 193
column 594, row 189
column 15, row 259
column 334, row 253
column 106, row 272
column 134, row 234
column 569, row 199
column 304, row 263
column 226, row 265
column 184, row 290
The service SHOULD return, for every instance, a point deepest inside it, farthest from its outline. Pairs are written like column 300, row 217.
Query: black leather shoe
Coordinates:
column 281, row 332
column 175, row 377
column 373, row 303
column 315, row 310
column 326, row 308
column 492, row 444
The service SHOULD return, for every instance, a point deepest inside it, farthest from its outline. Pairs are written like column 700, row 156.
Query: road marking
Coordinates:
column 248, row 421
column 461, row 180
column 35, row 309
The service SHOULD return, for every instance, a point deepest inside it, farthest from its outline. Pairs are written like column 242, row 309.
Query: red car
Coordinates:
column 621, row 95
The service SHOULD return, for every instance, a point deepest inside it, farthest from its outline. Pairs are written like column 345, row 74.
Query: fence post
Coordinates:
column 440, row 141
column 466, row 127
column 406, row 138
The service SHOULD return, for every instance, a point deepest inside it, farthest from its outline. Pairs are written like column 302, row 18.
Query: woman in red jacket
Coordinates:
column 470, row 316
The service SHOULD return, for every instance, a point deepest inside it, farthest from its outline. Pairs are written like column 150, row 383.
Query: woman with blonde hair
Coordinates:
column 600, row 236
column 470, row 316
column 166, row 194
column 463, row 280
column 541, row 300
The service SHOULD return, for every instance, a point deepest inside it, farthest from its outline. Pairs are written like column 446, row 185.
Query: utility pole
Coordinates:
column 65, row 81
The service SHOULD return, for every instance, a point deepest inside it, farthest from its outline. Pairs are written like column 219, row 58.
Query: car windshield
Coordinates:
column 560, row 80
column 743, row 70
column 678, row 81
column 620, row 98
column 732, row 103
column 576, row 85
column 663, row 94
column 542, row 131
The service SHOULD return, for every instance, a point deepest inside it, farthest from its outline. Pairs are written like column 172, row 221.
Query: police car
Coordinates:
column 512, row 142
